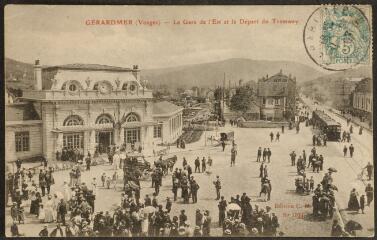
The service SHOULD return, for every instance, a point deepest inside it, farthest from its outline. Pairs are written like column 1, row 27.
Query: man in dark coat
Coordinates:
column 217, row 184
column 175, row 188
column 369, row 192
column 197, row 164
column 264, row 154
column 198, row 218
column 182, row 218
column 352, row 149
column 274, row 224
column 62, row 211
column 147, row 201
column 269, row 153
column 204, row 164
column 18, row 163
column 369, row 168
column 194, row 191
column 293, row 158
column 261, row 168
column 42, row 182
column 246, row 211
column 88, row 161
column 49, row 181
column 207, row 224
column 222, row 208
column 304, row 156
column 189, row 170
column 168, row 205
column 259, row 154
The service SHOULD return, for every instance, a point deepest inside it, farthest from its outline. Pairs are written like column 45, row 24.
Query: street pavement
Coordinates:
column 293, row 210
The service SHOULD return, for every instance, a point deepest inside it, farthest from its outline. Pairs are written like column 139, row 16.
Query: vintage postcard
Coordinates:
column 170, row 121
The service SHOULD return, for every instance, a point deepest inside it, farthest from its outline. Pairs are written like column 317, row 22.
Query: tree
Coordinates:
column 241, row 101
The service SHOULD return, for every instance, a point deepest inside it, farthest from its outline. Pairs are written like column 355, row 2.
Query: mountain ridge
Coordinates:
column 200, row 74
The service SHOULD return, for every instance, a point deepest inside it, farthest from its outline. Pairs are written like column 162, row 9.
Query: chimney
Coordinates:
column 136, row 72
column 37, row 76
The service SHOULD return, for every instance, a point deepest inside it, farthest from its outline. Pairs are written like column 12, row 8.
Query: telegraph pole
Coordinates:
column 223, row 96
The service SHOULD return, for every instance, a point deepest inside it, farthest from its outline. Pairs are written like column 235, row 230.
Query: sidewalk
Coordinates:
column 347, row 178
column 354, row 120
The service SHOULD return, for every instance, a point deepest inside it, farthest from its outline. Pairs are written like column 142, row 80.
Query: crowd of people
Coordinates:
column 265, row 154
column 74, row 213
column 238, row 218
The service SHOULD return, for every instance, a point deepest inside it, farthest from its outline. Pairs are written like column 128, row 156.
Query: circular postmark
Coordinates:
column 337, row 37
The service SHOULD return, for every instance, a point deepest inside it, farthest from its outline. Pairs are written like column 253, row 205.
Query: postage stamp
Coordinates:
column 338, row 37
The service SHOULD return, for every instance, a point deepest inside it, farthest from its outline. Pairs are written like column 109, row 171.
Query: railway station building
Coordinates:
column 86, row 106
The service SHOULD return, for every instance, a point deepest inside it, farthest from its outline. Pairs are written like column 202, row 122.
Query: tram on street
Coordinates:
column 326, row 125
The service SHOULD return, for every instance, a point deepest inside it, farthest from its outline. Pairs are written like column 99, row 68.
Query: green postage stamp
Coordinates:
column 337, row 37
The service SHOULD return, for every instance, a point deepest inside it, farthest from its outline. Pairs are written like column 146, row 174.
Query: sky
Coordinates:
column 59, row 35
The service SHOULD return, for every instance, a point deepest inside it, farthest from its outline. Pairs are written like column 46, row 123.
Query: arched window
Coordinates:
column 104, row 119
column 132, row 118
column 73, row 121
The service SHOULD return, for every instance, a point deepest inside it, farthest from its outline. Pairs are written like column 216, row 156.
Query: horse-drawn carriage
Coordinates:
column 226, row 137
column 166, row 163
column 135, row 168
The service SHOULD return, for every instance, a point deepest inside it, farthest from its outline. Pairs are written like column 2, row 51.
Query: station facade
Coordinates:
column 87, row 106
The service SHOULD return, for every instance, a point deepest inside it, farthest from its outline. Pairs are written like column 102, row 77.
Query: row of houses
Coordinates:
column 362, row 100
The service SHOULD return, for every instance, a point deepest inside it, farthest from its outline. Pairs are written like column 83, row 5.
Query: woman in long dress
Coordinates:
column 34, row 204
column 41, row 213
column 116, row 161
column 144, row 224
column 56, row 201
column 353, row 203
column 66, row 192
column 48, row 210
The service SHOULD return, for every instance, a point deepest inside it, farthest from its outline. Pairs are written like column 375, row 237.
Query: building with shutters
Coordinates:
column 89, row 106
column 277, row 97
column 362, row 99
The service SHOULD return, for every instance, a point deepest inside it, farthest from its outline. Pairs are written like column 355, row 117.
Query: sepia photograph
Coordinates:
column 188, row 121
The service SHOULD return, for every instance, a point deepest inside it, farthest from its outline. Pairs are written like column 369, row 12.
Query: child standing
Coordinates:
column 108, row 182
column 311, row 184
column 362, row 203
column 21, row 215
column 14, row 212
column 41, row 215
